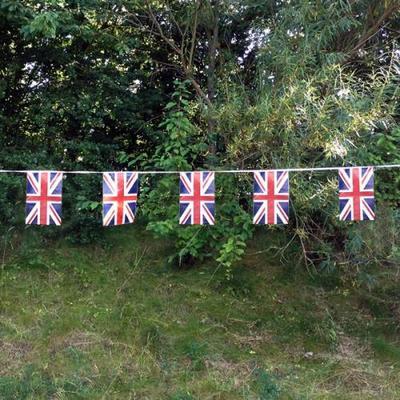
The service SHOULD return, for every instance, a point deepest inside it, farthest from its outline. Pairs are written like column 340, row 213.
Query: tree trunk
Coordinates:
column 213, row 44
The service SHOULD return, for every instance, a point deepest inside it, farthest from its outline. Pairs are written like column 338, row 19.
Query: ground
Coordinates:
column 112, row 321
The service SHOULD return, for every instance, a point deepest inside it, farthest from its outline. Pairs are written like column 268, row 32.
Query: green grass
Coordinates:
column 113, row 322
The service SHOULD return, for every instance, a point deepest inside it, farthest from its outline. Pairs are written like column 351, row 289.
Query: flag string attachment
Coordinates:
column 222, row 171
column 271, row 201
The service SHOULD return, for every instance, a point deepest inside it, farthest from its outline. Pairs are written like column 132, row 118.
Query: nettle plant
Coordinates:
column 182, row 146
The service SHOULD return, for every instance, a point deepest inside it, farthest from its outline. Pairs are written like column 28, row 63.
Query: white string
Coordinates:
column 226, row 171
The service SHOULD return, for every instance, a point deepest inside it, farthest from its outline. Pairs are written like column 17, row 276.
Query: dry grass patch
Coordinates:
column 13, row 354
column 238, row 374
column 357, row 379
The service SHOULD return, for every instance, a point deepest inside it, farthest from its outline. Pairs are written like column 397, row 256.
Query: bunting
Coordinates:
column 271, row 197
column 43, row 197
column 356, row 194
column 120, row 193
column 197, row 197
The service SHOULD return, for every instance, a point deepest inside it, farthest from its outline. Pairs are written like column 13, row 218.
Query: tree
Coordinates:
column 101, row 85
column 77, row 86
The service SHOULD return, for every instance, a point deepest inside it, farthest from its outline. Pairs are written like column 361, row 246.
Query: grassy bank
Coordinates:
column 113, row 322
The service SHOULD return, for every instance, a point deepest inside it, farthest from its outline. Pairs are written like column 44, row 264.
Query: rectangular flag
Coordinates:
column 120, row 193
column 197, row 198
column 271, row 197
column 356, row 194
column 43, row 197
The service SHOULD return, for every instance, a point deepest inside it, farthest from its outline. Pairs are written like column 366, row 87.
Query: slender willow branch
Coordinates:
column 370, row 33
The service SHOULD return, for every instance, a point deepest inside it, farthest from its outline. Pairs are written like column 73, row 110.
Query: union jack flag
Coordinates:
column 43, row 197
column 271, row 197
column 356, row 194
column 120, row 193
column 197, row 198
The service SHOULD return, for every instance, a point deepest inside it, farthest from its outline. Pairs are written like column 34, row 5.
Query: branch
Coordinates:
column 185, row 64
column 194, row 32
column 199, row 90
column 393, row 8
column 166, row 39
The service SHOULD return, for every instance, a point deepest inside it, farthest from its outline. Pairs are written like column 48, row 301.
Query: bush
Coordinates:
column 179, row 149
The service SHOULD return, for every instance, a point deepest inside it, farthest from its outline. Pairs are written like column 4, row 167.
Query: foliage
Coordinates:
column 199, row 85
column 386, row 151
column 318, row 103
column 179, row 85
column 181, row 148
column 71, row 96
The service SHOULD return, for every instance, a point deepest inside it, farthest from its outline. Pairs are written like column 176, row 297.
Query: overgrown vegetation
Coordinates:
column 197, row 85
column 80, row 322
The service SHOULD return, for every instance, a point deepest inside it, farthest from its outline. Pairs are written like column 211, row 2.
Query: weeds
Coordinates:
column 84, row 323
column 265, row 385
column 386, row 350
